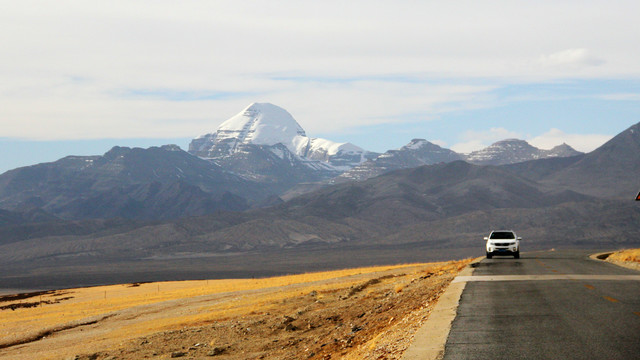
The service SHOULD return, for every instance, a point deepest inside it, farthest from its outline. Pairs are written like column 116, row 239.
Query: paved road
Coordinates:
column 548, row 311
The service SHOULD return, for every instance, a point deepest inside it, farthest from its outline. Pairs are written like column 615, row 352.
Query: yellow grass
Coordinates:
column 103, row 300
column 630, row 255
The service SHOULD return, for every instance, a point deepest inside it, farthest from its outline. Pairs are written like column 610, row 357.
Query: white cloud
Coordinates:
column 580, row 142
column 571, row 58
column 476, row 140
column 66, row 65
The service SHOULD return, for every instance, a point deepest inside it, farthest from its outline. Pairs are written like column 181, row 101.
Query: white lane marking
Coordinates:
column 544, row 277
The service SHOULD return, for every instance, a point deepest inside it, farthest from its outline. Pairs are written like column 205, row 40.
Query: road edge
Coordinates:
column 431, row 338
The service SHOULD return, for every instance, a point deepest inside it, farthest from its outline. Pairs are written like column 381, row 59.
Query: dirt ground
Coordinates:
column 371, row 314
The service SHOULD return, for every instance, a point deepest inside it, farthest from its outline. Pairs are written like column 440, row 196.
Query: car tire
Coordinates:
column 489, row 255
column 516, row 255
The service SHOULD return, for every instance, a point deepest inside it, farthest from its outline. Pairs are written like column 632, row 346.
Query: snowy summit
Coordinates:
column 262, row 124
column 269, row 125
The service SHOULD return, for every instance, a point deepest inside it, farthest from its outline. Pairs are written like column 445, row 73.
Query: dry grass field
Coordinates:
column 358, row 313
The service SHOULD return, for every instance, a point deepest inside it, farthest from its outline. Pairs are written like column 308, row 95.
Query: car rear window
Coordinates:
column 502, row 235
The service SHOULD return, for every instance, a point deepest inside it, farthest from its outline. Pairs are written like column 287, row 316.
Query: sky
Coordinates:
column 79, row 77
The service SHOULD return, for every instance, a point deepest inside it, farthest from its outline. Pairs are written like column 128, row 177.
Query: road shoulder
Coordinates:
column 430, row 340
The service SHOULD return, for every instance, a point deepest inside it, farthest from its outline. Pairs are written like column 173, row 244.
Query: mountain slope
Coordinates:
column 542, row 168
column 612, row 170
column 124, row 181
column 431, row 191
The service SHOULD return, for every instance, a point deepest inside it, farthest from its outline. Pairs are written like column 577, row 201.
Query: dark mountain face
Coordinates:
column 542, row 168
column 431, row 192
column 273, row 165
column 152, row 201
column 33, row 215
column 131, row 183
column 612, row 170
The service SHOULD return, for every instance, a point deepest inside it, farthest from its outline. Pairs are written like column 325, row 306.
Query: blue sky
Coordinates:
column 79, row 77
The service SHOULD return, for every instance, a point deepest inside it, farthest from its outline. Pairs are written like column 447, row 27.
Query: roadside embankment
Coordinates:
column 629, row 258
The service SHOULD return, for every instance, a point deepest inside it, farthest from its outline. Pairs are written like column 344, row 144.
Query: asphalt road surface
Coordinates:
column 547, row 305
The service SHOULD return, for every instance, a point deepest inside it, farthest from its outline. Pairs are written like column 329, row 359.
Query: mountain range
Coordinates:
column 256, row 158
column 161, row 206
column 265, row 143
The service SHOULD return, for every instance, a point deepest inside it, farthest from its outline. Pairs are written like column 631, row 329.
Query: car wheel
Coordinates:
column 516, row 255
column 489, row 255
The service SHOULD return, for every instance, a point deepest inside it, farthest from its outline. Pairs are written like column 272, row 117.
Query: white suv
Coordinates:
column 503, row 242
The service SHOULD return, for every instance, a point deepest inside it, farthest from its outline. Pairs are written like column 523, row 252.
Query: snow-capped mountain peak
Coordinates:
column 265, row 124
column 258, row 124
column 261, row 124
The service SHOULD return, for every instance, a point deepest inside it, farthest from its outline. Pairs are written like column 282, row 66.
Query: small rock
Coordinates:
column 291, row 327
column 216, row 351
column 177, row 354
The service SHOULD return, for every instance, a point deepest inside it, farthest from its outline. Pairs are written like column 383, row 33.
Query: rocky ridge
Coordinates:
column 513, row 151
